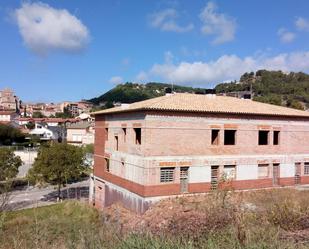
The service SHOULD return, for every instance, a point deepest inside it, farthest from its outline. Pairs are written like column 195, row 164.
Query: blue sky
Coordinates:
column 68, row 50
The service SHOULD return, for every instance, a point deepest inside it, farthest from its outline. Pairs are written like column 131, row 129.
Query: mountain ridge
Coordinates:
column 273, row 87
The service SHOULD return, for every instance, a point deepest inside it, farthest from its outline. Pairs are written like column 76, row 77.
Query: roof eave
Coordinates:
column 198, row 111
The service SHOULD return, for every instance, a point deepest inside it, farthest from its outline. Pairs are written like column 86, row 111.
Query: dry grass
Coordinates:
column 260, row 219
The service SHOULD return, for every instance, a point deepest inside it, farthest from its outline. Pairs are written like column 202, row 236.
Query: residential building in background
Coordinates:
column 46, row 109
column 76, row 108
column 186, row 143
column 85, row 117
column 7, row 99
column 80, row 133
column 48, row 121
column 8, row 116
column 9, row 102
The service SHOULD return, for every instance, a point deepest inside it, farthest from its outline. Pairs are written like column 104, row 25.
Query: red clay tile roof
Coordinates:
column 7, row 112
column 207, row 104
column 49, row 120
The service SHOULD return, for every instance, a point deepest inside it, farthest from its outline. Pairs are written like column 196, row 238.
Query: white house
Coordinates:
column 43, row 132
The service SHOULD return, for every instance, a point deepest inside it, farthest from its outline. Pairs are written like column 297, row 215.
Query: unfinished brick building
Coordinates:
column 184, row 143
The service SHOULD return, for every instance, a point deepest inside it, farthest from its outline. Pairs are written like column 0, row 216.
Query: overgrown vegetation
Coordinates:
column 262, row 219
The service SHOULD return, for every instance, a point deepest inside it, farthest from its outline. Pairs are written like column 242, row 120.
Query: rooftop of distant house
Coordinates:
column 209, row 103
column 7, row 112
column 49, row 120
column 80, row 125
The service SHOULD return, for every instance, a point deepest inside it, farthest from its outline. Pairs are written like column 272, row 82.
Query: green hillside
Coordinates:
column 274, row 87
column 132, row 92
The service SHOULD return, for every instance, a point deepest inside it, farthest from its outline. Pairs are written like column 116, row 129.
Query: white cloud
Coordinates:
column 286, row 36
column 227, row 67
column 116, row 80
column 222, row 26
column 44, row 28
column 302, row 24
column 165, row 20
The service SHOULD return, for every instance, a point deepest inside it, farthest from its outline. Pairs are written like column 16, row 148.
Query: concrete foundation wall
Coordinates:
column 114, row 194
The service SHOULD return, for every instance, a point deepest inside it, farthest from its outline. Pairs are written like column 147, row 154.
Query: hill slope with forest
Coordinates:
column 274, row 87
column 133, row 92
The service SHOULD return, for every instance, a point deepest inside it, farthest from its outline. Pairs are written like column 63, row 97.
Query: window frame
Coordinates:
column 277, row 137
column 224, row 136
column 306, row 168
column 260, row 138
column 124, row 130
column 268, row 170
column 106, row 133
column 107, row 165
column 216, row 140
column 117, row 142
column 229, row 166
column 138, row 135
column 167, row 179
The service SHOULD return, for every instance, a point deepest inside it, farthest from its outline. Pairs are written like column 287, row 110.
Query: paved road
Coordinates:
column 23, row 170
column 32, row 196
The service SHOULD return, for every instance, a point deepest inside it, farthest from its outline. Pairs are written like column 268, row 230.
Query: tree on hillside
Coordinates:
column 57, row 164
column 9, row 164
column 292, row 103
column 274, row 87
column 133, row 92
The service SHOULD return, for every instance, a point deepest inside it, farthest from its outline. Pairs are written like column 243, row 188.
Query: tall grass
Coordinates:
column 263, row 219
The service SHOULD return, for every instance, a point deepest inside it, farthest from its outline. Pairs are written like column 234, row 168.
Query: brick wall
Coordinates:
column 183, row 139
column 191, row 135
